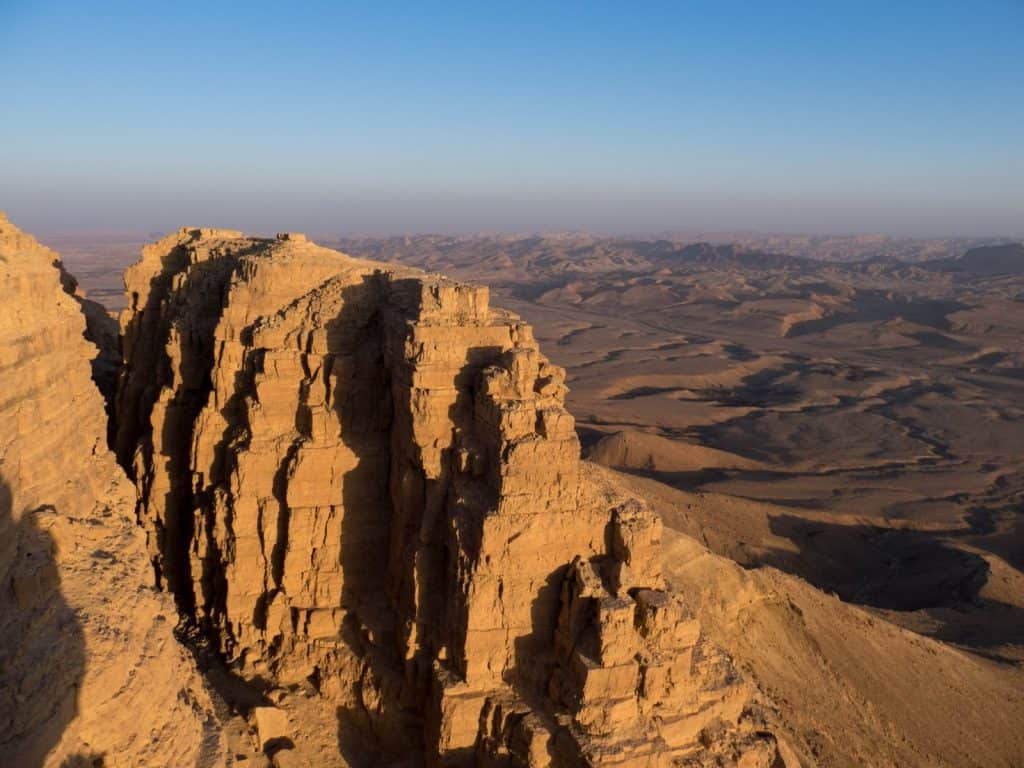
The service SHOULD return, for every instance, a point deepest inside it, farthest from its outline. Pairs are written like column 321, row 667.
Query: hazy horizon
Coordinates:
column 387, row 119
column 681, row 234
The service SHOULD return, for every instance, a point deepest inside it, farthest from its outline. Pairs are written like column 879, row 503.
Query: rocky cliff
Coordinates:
column 361, row 482
column 357, row 488
column 90, row 671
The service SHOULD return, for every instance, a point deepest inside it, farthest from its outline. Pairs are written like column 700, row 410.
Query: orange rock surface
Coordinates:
column 361, row 477
column 89, row 666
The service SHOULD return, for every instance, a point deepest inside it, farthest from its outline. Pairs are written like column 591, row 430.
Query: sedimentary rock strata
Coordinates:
column 361, row 479
column 89, row 667
column 358, row 486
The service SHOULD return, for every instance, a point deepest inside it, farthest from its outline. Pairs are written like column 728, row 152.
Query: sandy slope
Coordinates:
column 852, row 689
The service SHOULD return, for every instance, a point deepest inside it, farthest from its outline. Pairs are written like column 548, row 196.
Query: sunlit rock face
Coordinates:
column 361, row 478
column 89, row 667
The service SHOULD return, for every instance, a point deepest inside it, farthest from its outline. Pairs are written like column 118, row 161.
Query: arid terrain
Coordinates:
column 857, row 424
column 511, row 385
column 797, row 540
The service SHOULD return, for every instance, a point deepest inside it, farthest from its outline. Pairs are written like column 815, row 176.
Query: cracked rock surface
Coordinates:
column 360, row 480
column 90, row 670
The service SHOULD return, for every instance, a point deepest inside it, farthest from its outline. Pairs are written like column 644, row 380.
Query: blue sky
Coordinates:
column 903, row 118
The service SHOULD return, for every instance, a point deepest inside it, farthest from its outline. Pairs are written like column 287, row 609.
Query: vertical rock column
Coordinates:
column 362, row 476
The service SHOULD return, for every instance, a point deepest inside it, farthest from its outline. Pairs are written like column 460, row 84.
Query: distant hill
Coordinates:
column 737, row 256
column 987, row 260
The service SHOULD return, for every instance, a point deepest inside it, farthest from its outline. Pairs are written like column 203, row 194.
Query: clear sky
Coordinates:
column 900, row 117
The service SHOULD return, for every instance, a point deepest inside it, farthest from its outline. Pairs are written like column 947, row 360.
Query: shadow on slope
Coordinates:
column 906, row 570
column 902, row 570
column 954, row 584
column 42, row 646
column 894, row 569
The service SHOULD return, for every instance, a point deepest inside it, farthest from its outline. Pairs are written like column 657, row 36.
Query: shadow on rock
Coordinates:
column 84, row 760
column 42, row 647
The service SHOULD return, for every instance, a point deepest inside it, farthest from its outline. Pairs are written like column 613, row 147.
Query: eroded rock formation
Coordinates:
column 89, row 666
column 362, row 479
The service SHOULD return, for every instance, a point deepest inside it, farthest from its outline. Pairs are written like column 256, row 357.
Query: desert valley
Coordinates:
column 854, row 422
column 316, row 509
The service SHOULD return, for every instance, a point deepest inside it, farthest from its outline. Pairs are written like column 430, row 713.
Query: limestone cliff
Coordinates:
column 360, row 480
column 89, row 666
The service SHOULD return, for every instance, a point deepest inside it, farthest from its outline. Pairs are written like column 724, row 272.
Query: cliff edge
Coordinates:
column 90, row 669
column 361, row 482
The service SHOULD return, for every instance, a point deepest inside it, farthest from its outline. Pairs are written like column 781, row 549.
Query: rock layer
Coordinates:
column 361, row 478
column 89, row 666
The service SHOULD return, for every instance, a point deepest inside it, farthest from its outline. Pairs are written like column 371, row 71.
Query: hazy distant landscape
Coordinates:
column 855, row 419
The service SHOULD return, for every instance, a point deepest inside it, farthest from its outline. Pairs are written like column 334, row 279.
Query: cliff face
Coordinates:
column 89, row 667
column 361, row 479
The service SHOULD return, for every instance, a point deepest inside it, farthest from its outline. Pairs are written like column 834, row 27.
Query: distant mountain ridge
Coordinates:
column 988, row 260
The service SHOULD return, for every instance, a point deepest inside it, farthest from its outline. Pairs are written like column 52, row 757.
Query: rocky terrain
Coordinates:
column 361, row 481
column 856, row 424
column 355, row 487
column 90, row 670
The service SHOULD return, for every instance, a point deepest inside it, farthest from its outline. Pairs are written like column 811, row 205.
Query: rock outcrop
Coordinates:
column 90, row 670
column 360, row 479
